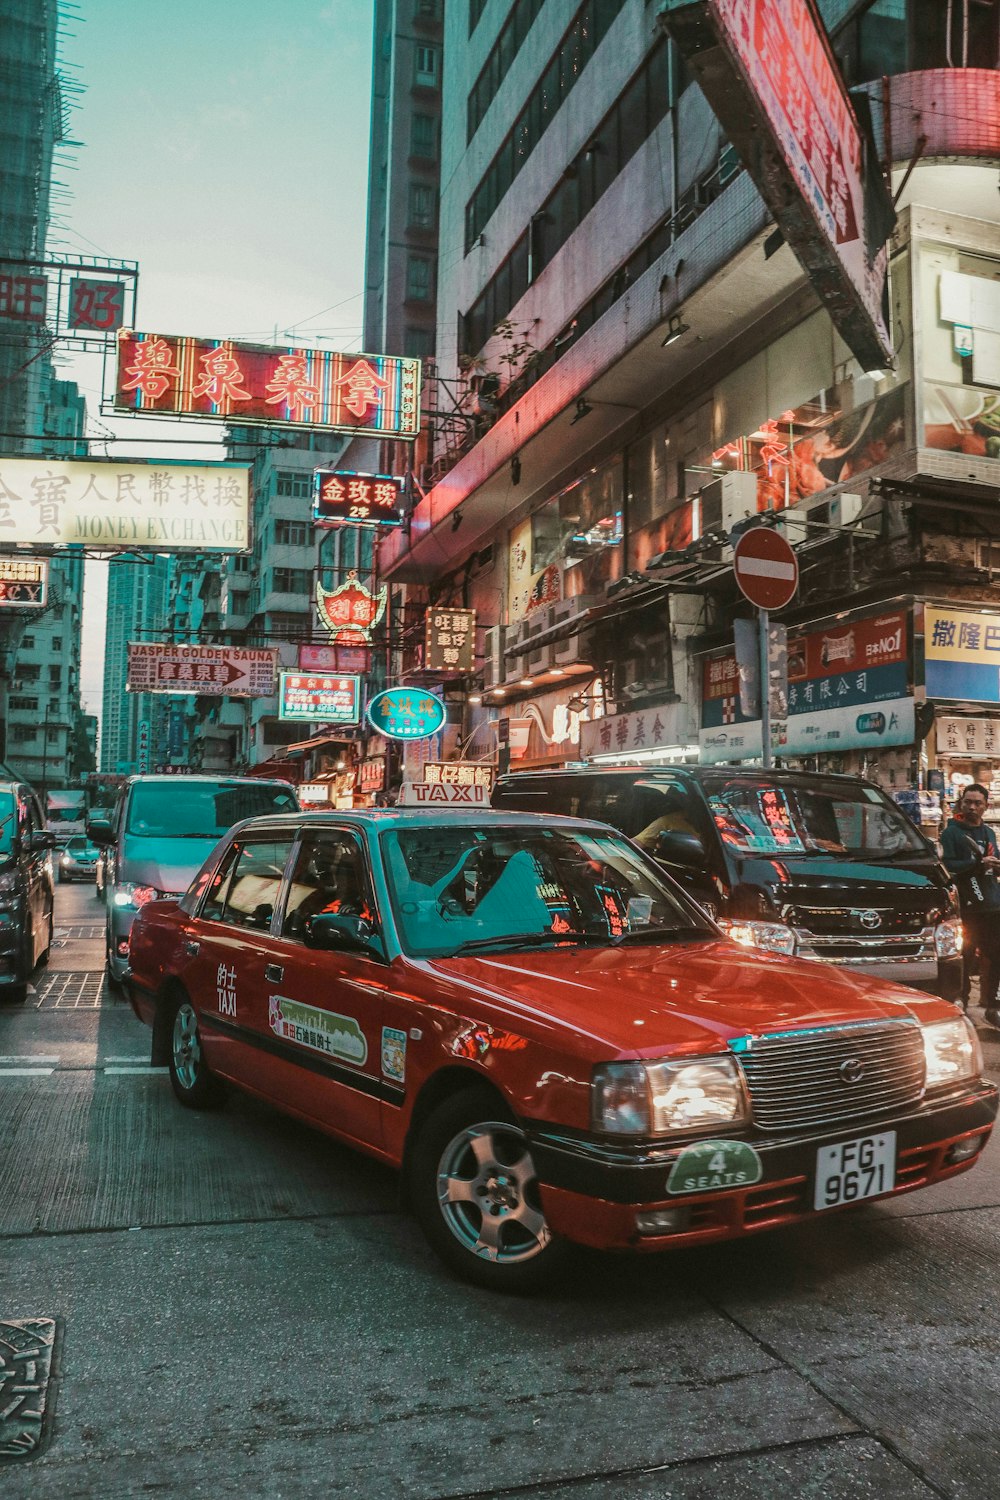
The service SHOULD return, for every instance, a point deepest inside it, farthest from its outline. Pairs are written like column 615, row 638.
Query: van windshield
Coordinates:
column 8, row 822
column 180, row 809
column 809, row 817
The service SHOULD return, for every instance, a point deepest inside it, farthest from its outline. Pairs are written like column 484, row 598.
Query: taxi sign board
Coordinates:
column 766, row 568
column 442, row 794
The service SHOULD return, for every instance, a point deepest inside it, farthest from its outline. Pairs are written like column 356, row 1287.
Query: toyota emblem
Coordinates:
column 852, row 1070
column 870, row 920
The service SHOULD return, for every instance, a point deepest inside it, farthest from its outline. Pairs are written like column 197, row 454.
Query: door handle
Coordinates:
column 274, row 972
column 191, row 948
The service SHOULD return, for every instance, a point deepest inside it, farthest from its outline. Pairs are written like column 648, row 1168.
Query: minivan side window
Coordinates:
column 559, row 796
column 663, row 805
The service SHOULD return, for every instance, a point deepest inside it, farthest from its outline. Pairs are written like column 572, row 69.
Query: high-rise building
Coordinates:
column 644, row 364
column 134, row 726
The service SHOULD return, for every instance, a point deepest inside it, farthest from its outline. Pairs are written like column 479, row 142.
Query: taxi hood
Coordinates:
column 684, row 997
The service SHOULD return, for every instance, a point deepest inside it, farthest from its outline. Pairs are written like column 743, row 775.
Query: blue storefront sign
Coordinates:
column 406, row 713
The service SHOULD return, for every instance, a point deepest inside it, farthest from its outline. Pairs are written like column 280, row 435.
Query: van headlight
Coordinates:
column 772, row 937
column 951, row 1052
column 948, row 938
column 661, row 1097
column 128, row 894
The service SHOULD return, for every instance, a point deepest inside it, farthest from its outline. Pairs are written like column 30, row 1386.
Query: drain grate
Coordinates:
column 80, row 989
column 26, row 1346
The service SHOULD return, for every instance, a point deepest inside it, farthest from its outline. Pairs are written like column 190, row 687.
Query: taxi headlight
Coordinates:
column 948, row 938
column 951, row 1051
column 772, row 937
column 658, row 1098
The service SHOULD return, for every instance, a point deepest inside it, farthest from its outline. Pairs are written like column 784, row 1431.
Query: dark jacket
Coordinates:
column 958, row 847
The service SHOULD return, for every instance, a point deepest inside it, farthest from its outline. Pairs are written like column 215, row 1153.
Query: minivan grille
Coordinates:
column 807, row 1079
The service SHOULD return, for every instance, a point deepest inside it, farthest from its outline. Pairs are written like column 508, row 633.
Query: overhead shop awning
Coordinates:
column 588, row 618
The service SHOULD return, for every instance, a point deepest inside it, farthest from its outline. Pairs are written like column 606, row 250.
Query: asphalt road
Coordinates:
column 243, row 1310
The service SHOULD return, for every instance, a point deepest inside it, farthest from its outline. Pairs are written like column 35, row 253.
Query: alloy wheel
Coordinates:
column 488, row 1195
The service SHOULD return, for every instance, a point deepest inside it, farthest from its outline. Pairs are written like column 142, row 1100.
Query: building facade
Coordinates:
column 134, row 726
column 662, row 369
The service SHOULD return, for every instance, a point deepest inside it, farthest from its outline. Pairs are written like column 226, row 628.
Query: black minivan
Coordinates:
column 824, row 867
column 26, row 888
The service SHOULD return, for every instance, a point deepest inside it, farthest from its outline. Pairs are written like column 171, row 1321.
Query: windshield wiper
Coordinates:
column 664, row 935
column 518, row 939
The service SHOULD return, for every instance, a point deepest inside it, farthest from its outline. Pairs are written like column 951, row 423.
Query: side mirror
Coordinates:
column 676, row 848
column 100, row 831
column 342, row 932
column 37, row 843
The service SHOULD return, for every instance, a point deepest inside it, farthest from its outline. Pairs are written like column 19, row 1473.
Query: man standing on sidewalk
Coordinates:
column 970, row 852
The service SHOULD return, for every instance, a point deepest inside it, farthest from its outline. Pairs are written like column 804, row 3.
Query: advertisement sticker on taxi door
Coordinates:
column 319, row 1030
column 394, row 1054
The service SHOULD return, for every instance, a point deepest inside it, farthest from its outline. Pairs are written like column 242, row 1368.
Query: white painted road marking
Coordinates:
column 25, row 1072
column 147, row 1069
column 29, row 1057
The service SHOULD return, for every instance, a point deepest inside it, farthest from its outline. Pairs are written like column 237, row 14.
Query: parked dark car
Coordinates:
column 26, row 889
column 816, row 866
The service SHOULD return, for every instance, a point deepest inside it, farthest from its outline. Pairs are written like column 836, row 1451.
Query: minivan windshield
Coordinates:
column 8, row 822
column 462, row 889
column 180, row 809
column 809, row 817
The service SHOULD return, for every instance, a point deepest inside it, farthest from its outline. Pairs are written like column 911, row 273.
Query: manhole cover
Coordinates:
column 26, row 1346
column 79, row 989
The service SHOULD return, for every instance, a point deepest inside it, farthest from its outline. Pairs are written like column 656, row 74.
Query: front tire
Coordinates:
column 192, row 1083
column 475, row 1194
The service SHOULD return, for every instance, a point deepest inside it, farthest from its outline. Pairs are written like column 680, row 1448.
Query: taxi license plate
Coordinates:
column 857, row 1169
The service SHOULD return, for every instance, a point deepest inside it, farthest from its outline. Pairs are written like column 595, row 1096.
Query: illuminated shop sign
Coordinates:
column 769, row 74
column 223, row 671
column 962, row 655
column 304, row 697
column 157, row 507
column 351, row 611
column 450, row 640
column 362, row 499
column 406, row 713
column 278, row 386
column 23, row 581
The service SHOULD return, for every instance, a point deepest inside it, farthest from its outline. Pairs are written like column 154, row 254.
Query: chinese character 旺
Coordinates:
column 968, row 635
column 152, row 369
column 50, row 494
column 220, row 379
column 363, row 388
column 293, row 385
column 944, row 633
column 992, row 642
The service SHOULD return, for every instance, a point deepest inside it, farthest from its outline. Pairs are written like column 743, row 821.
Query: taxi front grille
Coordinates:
column 814, row 1079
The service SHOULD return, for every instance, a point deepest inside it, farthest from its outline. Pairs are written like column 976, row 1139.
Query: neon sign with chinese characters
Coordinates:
column 255, row 383
column 361, row 499
column 406, row 713
column 350, row 612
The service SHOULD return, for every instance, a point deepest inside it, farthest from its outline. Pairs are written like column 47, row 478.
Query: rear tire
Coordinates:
column 192, row 1082
column 474, row 1191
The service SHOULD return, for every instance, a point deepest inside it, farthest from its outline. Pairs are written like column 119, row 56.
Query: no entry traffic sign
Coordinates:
column 766, row 568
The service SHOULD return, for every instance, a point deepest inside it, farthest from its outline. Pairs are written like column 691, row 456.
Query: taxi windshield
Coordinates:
column 808, row 818
column 461, row 889
column 199, row 809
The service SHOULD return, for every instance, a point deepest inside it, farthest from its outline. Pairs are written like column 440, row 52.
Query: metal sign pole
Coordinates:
column 765, row 689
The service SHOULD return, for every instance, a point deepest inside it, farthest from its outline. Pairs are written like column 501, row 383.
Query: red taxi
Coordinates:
column 546, row 1035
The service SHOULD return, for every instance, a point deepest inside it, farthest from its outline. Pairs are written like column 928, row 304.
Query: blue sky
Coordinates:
column 225, row 148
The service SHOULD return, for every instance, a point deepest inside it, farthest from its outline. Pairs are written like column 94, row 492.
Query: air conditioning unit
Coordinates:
column 723, row 503
column 844, row 509
column 513, row 662
column 493, row 663
column 537, row 658
column 565, row 653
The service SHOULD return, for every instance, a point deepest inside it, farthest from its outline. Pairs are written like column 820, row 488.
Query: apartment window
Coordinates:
column 55, row 677
column 57, row 643
column 22, row 734
column 423, row 136
column 289, row 627
column 418, row 343
column 52, row 733
column 240, row 563
column 423, row 205
column 290, row 580
column 419, row 278
column 564, row 68
column 27, row 642
column 23, row 705
column 297, row 485
column 427, row 66
column 28, row 671
column 292, row 533
column 502, row 54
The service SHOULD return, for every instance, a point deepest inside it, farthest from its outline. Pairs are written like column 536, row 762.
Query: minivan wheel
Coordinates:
column 193, row 1084
column 474, row 1190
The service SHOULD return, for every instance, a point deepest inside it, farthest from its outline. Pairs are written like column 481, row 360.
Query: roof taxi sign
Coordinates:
column 223, row 380
column 341, row 497
column 23, row 581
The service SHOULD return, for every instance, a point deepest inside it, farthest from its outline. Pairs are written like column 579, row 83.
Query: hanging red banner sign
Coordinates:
column 256, row 383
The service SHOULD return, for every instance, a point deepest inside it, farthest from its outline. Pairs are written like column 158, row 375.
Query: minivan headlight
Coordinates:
column 772, row 937
column 951, row 1051
column 662, row 1097
column 948, row 938
column 128, row 894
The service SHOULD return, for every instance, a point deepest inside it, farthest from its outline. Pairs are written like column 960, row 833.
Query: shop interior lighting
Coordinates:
column 676, row 328
column 583, row 409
